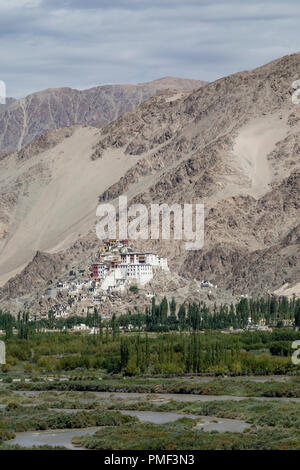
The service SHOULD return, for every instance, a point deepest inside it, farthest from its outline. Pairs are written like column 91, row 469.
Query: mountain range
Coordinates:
column 232, row 144
column 26, row 119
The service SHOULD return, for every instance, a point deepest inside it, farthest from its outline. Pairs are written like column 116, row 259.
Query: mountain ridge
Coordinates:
column 233, row 145
column 28, row 118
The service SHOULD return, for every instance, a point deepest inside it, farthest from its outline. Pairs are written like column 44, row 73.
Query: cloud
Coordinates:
column 14, row 5
column 52, row 43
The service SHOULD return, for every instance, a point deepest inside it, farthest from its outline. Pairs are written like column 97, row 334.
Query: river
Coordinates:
column 63, row 437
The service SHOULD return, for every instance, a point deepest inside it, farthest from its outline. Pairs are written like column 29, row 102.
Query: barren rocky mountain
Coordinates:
column 23, row 120
column 233, row 145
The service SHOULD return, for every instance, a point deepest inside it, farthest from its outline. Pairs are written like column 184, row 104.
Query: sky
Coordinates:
column 84, row 43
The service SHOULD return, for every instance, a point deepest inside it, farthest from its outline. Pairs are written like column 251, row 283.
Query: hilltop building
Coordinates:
column 113, row 272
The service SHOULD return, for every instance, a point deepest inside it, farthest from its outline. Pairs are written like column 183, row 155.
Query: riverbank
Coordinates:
column 194, row 386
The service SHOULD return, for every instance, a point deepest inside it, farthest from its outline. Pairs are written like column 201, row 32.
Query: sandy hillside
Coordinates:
column 232, row 145
column 252, row 146
column 289, row 290
column 58, row 197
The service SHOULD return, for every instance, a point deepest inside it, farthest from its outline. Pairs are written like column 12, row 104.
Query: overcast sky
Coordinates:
column 83, row 43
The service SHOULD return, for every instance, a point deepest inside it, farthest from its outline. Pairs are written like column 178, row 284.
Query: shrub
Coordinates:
column 134, row 288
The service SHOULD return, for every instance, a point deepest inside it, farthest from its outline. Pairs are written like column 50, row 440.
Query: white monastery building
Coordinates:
column 131, row 266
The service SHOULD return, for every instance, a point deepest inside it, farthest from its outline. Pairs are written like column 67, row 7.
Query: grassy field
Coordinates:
column 62, row 372
column 272, row 424
column 181, row 435
column 219, row 386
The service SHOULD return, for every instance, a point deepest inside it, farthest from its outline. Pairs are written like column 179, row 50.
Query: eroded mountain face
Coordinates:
column 26, row 119
column 49, row 189
column 233, row 145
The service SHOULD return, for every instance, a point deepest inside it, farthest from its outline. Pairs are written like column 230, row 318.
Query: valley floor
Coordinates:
column 77, row 391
